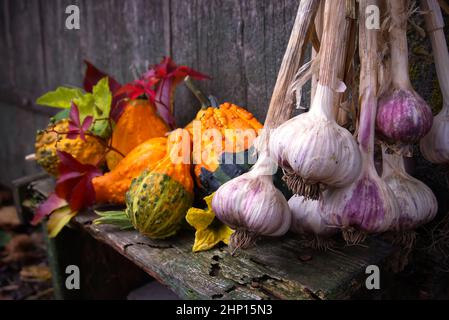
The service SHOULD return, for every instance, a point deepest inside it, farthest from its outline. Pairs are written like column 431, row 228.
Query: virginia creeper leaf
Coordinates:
column 93, row 75
column 102, row 108
column 74, row 182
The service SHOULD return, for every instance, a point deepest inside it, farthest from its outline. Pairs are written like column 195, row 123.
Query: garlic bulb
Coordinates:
column 252, row 206
column 403, row 117
column 312, row 148
column 417, row 203
column 435, row 145
column 306, row 220
column 368, row 205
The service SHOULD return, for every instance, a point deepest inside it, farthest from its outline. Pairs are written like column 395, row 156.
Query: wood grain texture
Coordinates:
column 271, row 270
column 240, row 43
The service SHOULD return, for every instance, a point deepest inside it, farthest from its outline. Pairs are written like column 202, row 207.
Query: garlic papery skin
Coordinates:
column 306, row 220
column 403, row 117
column 314, row 150
column 435, row 145
column 417, row 203
column 367, row 205
column 252, row 206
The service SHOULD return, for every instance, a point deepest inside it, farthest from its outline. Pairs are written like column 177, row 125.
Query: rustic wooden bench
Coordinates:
column 274, row 269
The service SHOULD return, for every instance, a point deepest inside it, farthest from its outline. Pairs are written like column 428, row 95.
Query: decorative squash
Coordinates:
column 91, row 151
column 158, row 200
column 138, row 123
column 238, row 129
column 112, row 187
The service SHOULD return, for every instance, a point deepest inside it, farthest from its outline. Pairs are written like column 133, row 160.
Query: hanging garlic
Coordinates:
column 417, row 203
column 435, row 145
column 312, row 148
column 403, row 117
column 306, row 220
column 367, row 205
column 250, row 204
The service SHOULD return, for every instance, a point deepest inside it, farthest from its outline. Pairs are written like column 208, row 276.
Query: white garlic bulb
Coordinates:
column 417, row 203
column 435, row 145
column 252, row 206
column 314, row 150
column 306, row 217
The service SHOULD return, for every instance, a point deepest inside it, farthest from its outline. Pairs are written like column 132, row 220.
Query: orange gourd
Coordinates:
column 138, row 123
column 231, row 121
column 112, row 187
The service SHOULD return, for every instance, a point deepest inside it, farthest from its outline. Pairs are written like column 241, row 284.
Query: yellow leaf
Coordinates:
column 210, row 237
column 58, row 219
column 199, row 219
column 209, row 230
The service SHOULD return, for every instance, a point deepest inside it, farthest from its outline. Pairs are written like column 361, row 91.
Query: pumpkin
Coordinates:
column 112, row 186
column 88, row 151
column 231, row 121
column 138, row 123
column 158, row 200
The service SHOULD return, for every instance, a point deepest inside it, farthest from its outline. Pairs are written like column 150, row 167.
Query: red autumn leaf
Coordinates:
column 76, row 128
column 93, row 75
column 159, row 84
column 117, row 107
column 52, row 203
column 74, row 183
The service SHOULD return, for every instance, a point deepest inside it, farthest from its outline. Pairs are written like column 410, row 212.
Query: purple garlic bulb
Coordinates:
column 403, row 117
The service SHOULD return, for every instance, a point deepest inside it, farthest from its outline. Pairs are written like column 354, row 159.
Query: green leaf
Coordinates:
column 102, row 100
column 60, row 98
column 86, row 104
column 64, row 114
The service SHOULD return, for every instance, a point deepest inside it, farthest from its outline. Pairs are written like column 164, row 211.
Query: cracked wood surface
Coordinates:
column 274, row 269
column 280, row 268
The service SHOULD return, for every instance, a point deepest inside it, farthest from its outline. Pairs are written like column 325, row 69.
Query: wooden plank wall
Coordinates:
column 239, row 43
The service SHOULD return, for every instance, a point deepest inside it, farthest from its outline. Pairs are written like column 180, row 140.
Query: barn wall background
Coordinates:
column 239, row 43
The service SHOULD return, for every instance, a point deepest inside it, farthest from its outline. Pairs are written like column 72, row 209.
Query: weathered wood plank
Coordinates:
column 61, row 47
column 274, row 269
column 18, row 129
column 271, row 270
column 26, row 46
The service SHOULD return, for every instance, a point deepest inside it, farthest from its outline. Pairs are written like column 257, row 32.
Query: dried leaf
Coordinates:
column 35, row 273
